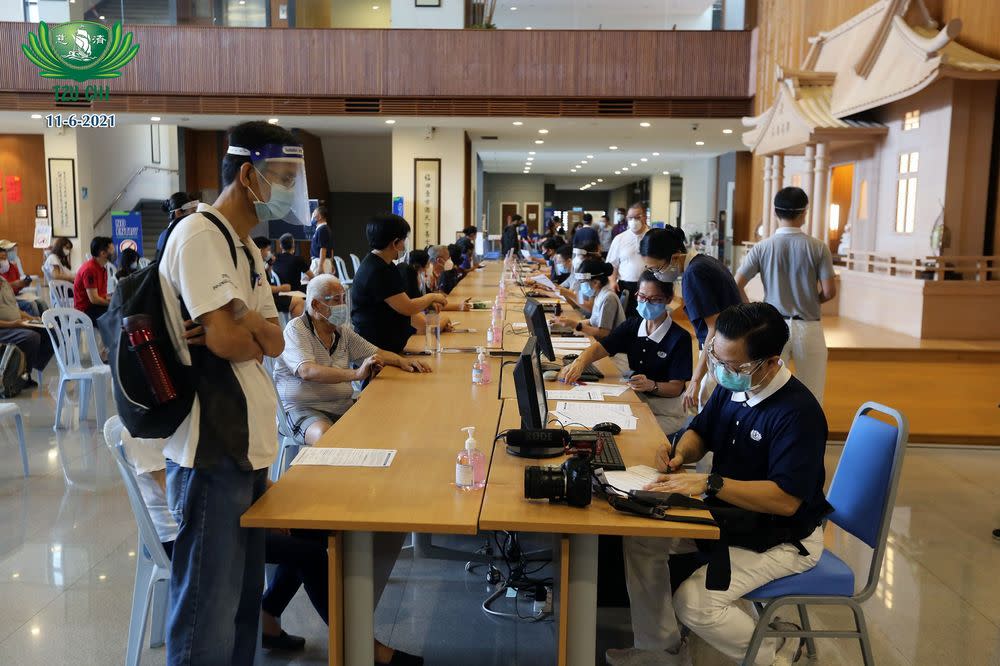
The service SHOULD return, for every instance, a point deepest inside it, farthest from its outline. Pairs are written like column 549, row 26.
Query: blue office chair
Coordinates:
column 862, row 493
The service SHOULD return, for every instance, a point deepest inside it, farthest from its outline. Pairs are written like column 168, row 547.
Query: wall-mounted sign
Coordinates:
column 13, row 187
column 126, row 231
column 62, row 196
column 426, row 202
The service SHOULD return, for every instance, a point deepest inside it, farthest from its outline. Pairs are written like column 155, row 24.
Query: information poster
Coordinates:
column 126, row 231
column 426, row 202
column 43, row 233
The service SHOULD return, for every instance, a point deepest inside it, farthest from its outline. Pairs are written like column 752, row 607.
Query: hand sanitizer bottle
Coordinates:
column 484, row 366
column 470, row 465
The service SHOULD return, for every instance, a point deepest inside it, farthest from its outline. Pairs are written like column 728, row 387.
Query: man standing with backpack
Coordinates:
column 211, row 275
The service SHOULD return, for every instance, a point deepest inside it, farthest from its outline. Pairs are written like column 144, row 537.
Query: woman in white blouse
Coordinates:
column 57, row 265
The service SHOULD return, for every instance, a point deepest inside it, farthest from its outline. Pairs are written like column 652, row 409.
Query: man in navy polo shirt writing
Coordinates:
column 768, row 434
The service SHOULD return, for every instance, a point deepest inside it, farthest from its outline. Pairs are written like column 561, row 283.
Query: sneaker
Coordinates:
column 284, row 641
column 635, row 657
column 789, row 649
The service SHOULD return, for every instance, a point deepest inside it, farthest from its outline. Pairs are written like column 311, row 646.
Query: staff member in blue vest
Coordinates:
column 768, row 435
column 707, row 287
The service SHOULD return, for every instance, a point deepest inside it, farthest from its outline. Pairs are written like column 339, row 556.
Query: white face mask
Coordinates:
column 449, row 265
column 635, row 225
column 618, row 218
column 4, row 266
column 66, row 251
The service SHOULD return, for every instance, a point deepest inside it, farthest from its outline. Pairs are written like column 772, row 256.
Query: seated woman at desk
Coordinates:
column 313, row 374
column 658, row 351
column 606, row 312
column 380, row 307
column 453, row 273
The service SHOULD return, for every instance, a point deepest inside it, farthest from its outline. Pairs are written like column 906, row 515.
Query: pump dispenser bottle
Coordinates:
column 470, row 465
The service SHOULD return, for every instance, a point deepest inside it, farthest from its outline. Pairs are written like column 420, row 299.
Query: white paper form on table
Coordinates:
column 573, row 394
column 633, row 478
column 544, row 281
column 311, row 455
column 589, row 414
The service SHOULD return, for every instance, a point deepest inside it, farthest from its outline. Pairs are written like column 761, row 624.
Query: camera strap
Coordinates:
column 655, row 511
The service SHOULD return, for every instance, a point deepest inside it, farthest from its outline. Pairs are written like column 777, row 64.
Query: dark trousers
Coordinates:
column 633, row 288
column 35, row 344
column 95, row 311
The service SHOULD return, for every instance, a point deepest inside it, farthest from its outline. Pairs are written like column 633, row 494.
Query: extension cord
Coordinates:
column 544, row 606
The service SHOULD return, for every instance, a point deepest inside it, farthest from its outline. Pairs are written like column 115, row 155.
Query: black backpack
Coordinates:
column 140, row 293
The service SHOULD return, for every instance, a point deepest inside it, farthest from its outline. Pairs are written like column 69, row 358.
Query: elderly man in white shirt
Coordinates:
column 314, row 374
column 624, row 256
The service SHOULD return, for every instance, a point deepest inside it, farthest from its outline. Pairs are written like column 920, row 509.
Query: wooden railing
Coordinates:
column 971, row 268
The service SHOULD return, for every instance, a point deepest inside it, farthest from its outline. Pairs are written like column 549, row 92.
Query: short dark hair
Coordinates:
column 516, row 218
column 585, row 243
column 666, row 287
column 468, row 231
column 176, row 200
column 456, row 254
column 790, row 202
column 323, row 211
column 252, row 135
column 598, row 269
column 261, row 242
column 551, row 244
column 588, row 218
column 565, row 251
column 286, row 241
column 383, row 230
column 99, row 243
column 663, row 243
column 760, row 325
column 418, row 258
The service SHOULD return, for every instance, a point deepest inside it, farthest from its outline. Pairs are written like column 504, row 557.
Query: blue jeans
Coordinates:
column 217, row 567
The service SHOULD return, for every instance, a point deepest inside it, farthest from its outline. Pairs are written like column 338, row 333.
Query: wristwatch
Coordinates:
column 579, row 326
column 714, row 485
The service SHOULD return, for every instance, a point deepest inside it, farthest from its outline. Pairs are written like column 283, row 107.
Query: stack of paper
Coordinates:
column 311, row 455
column 613, row 390
column 633, row 478
column 589, row 414
column 575, row 393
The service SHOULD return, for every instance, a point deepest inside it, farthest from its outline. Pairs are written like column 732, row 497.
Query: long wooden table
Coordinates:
column 420, row 415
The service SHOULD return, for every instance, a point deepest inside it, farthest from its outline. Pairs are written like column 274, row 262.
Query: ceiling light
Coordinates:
column 643, row 124
column 727, row 131
column 529, row 159
column 612, row 147
column 618, row 173
column 513, row 9
column 531, row 152
column 543, row 131
column 518, row 123
column 583, row 161
column 572, row 170
column 656, row 154
column 624, row 168
column 273, row 121
column 101, row 18
column 600, row 180
column 539, row 141
column 590, row 157
column 666, row 173
column 243, row 2
column 699, row 143
column 528, row 28
column 36, row 116
column 156, row 119
column 375, row 8
column 643, row 159
column 633, row 164
column 390, row 122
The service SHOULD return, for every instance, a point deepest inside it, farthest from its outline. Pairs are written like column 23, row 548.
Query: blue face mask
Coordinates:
column 651, row 311
column 277, row 206
column 734, row 381
column 586, row 290
column 338, row 314
column 562, row 269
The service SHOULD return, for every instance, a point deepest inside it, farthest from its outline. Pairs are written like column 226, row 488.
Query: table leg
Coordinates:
column 359, row 602
column 563, row 600
column 581, row 620
column 335, row 553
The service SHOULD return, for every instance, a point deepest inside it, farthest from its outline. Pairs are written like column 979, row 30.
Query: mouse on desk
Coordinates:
column 609, row 427
column 550, row 375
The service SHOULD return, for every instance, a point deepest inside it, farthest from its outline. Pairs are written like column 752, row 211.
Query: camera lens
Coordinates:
column 544, row 483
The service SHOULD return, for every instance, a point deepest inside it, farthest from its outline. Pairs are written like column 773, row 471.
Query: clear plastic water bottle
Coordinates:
column 433, row 331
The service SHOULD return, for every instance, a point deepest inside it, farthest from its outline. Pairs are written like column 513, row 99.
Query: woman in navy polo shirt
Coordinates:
column 658, row 351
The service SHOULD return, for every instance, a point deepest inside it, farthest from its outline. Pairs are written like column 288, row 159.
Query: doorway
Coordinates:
column 841, row 196
column 533, row 216
column 508, row 209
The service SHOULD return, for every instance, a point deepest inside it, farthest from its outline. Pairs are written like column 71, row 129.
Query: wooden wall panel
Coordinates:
column 203, row 150
column 23, row 155
column 185, row 60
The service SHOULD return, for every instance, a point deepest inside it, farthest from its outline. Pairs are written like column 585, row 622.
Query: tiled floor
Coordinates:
column 67, row 548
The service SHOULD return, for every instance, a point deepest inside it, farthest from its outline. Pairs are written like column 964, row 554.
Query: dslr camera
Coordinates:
column 569, row 482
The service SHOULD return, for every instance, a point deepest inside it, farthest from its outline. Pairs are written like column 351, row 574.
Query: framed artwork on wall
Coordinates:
column 426, row 201
column 62, row 196
column 427, row 3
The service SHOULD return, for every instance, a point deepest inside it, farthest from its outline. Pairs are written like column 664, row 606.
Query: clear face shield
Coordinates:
column 281, row 192
column 185, row 210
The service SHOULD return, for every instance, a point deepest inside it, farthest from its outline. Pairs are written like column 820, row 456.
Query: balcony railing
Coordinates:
column 971, row 268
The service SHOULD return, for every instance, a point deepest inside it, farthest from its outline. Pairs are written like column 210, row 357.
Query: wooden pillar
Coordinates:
column 821, row 178
column 807, row 185
column 768, row 195
column 779, row 182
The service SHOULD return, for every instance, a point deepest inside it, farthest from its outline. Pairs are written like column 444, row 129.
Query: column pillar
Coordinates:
column 821, row 176
column 768, row 196
column 779, row 182
column 807, row 184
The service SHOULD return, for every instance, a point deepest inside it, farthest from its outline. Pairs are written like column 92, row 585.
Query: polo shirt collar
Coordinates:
column 658, row 333
column 202, row 207
column 754, row 399
column 788, row 230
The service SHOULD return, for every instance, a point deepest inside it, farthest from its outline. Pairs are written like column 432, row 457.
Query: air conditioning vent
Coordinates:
column 488, row 138
column 362, row 105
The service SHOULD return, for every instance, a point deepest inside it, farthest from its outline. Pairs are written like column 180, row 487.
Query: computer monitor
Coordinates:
column 530, row 387
column 534, row 316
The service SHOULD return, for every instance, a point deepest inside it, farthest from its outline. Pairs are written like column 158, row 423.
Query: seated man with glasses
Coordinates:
column 313, row 375
column 768, row 434
column 658, row 352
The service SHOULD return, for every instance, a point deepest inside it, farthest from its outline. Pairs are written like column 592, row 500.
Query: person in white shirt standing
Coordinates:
column 624, row 256
column 797, row 272
column 211, row 275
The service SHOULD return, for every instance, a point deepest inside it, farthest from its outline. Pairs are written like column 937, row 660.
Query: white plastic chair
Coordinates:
column 10, row 409
column 342, row 273
column 152, row 566
column 60, row 294
column 69, row 329
column 355, row 262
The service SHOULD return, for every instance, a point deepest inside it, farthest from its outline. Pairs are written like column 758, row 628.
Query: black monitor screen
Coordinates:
column 530, row 386
column 534, row 315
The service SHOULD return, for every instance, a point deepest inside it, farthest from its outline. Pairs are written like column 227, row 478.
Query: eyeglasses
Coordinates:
column 642, row 298
column 285, row 180
column 747, row 368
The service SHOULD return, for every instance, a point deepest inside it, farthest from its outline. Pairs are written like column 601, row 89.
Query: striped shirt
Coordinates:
column 302, row 345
